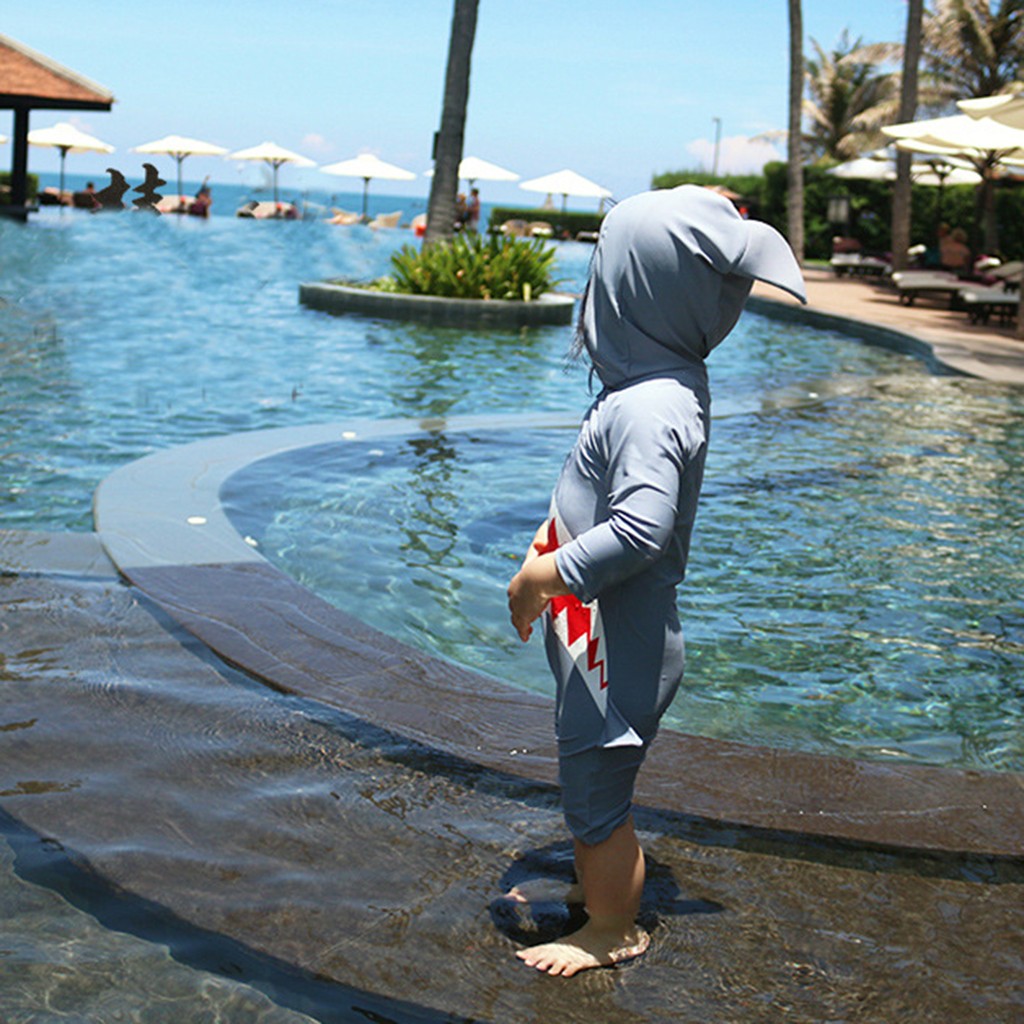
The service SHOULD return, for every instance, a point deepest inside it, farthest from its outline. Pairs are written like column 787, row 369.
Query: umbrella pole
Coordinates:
column 275, row 165
column 179, row 157
column 60, row 192
column 366, row 190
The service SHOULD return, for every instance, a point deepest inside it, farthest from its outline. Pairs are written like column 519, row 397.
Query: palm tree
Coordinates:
column 908, row 107
column 974, row 47
column 795, row 166
column 448, row 141
column 850, row 97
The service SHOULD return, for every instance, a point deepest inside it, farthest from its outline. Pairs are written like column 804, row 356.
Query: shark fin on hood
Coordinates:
column 672, row 271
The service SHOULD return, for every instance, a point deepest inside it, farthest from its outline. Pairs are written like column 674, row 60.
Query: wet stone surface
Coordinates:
column 345, row 871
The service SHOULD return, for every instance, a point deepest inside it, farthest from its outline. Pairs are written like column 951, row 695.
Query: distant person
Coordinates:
column 86, row 198
column 461, row 212
column 954, row 252
column 200, row 206
column 473, row 210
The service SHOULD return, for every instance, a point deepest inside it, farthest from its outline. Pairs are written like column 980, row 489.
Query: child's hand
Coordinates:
column 538, row 545
column 530, row 590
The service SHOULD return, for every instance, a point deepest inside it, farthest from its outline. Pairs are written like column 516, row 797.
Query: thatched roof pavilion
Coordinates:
column 31, row 81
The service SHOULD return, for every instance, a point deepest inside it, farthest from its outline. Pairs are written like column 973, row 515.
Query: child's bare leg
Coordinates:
column 612, row 873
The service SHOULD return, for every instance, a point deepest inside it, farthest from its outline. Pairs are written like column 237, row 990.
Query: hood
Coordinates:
column 671, row 273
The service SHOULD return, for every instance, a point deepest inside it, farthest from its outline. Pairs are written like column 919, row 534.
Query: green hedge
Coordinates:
column 31, row 184
column 870, row 207
column 566, row 225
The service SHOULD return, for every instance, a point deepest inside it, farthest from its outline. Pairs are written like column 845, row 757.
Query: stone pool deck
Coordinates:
column 988, row 351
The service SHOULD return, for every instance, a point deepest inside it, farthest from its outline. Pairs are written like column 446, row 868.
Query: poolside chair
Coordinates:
column 514, row 228
column 857, row 264
column 981, row 303
column 1008, row 274
column 386, row 220
column 911, row 284
column 539, row 229
column 343, row 216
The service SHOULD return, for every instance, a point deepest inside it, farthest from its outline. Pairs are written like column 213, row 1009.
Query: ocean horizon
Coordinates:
column 229, row 196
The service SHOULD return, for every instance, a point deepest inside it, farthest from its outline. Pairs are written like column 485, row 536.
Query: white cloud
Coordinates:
column 314, row 142
column 738, row 154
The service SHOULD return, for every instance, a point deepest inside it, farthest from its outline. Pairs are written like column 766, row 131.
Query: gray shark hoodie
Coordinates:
column 670, row 276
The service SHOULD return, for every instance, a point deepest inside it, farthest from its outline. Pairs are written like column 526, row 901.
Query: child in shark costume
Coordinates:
column 670, row 276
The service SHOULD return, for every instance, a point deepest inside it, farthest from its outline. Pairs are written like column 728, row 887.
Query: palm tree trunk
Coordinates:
column 901, row 197
column 795, row 177
column 448, row 141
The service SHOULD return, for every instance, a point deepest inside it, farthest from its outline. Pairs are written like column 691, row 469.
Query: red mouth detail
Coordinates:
column 578, row 617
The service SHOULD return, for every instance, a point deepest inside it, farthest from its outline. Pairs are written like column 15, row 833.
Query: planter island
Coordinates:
column 549, row 308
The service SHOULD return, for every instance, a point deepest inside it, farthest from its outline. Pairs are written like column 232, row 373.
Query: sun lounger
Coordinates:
column 386, row 220
column 855, row 264
column 982, row 303
column 1007, row 273
column 340, row 216
column 514, row 228
column 539, row 229
column 911, row 284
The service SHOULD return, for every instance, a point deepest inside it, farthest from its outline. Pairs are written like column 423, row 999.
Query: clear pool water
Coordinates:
column 856, row 574
column 870, row 587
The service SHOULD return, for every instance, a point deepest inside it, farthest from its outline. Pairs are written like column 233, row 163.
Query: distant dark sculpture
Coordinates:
column 149, row 196
column 110, row 197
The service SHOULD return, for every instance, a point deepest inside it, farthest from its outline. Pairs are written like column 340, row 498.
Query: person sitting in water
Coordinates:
column 200, row 206
column 86, row 198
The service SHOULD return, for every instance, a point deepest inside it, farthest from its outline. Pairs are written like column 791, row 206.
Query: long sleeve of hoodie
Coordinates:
column 642, row 452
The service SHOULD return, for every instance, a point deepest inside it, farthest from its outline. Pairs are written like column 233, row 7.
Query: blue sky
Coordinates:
column 614, row 90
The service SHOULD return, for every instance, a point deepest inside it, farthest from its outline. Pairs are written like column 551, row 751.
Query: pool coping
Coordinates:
column 161, row 521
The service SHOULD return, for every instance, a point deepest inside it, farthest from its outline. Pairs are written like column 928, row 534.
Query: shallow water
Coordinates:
column 192, row 846
column 854, row 586
column 187, row 845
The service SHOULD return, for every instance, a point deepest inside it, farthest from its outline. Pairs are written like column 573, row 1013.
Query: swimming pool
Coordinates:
column 254, row 843
column 857, row 563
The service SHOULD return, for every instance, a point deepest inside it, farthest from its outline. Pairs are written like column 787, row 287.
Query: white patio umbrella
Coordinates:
column 273, row 154
column 473, row 169
column 566, row 183
column 368, row 166
column 938, row 171
column 68, row 139
column 864, row 168
column 1007, row 109
column 982, row 141
column 179, row 147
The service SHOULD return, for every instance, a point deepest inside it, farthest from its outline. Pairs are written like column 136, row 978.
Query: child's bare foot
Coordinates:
column 545, row 891
column 590, row 947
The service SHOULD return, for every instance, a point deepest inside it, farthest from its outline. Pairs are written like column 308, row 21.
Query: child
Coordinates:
column 670, row 276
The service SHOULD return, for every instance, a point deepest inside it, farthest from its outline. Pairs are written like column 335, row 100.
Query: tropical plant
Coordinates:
column 795, row 161
column 901, row 195
column 448, row 141
column 974, row 47
column 850, row 96
column 473, row 266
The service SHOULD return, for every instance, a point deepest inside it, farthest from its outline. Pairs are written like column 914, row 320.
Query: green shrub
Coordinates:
column 31, row 186
column 473, row 266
